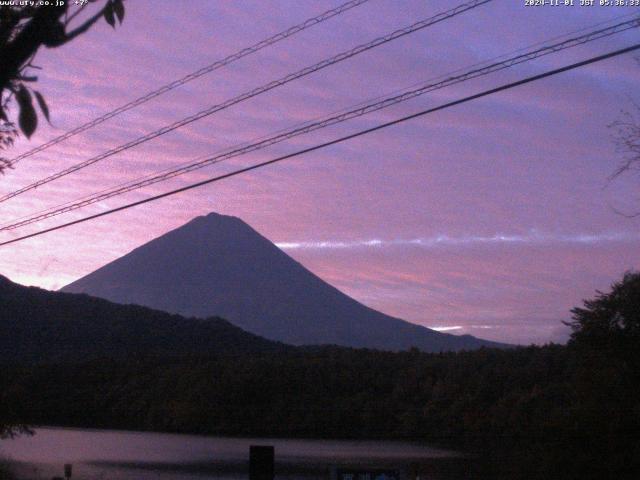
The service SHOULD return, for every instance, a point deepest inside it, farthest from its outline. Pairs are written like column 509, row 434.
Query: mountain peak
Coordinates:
column 215, row 222
column 219, row 217
column 214, row 219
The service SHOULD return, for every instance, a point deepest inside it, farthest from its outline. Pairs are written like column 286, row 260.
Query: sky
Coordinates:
column 493, row 218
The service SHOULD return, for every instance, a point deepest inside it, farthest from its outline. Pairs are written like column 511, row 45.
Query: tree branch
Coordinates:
column 86, row 25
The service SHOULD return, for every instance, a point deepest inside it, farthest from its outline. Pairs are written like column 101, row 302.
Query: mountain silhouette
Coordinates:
column 217, row 265
column 40, row 326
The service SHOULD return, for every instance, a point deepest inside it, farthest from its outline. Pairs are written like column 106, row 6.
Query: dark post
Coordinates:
column 67, row 470
column 261, row 459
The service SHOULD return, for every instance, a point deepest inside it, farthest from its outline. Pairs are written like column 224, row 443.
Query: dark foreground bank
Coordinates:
column 550, row 409
column 537, row 412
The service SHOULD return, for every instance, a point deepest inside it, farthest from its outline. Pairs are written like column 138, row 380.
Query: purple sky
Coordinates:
column 492, row 218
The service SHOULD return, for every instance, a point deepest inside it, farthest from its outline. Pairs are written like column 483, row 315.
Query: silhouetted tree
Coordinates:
column 606, row 346
column 611, row 319
column 626, row 135
column 23, row 30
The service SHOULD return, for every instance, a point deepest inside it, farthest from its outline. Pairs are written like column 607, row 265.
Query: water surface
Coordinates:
column 124, row 455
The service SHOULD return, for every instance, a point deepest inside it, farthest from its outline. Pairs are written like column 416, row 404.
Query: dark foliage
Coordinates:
column 611, row 321
column 536, row 405
column 24, row 28
column 330, row 392
column 536, row 412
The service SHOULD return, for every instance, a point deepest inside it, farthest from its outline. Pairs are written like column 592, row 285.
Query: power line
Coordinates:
column 56, row 209
column 305, row 128
column 335, row 141
column 323, row 123
column 192, row 76
column 257, row 91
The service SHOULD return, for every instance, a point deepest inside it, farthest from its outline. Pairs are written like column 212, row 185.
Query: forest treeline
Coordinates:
column 550, row 403
column 558, row 411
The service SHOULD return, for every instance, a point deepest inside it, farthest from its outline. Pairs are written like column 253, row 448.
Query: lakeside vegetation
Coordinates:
column 536, row 412
column 5, row 470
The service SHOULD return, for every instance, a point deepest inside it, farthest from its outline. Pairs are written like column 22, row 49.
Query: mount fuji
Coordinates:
column 217, row 265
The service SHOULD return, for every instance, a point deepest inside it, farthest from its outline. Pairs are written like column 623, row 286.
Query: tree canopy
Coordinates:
column 626, row 135
column 610, row 319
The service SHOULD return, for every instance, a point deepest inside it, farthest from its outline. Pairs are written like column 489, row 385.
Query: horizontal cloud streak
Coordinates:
column 471, row 240
column 445, row 328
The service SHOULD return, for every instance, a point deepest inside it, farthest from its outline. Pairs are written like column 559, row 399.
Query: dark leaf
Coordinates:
column 43, row 105
column 28, row 120
column 108, row 14
column 118, row 7
column 56, row 35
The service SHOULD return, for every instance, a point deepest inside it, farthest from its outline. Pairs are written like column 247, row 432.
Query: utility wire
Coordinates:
column 323, row 123
column 57, row 208
column 381, row 126
column 192, row 76
column 257, row 91
column 307, row 127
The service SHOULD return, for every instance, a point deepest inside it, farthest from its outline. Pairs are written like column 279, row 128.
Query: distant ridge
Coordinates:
column 219, row 265
column 39, row 326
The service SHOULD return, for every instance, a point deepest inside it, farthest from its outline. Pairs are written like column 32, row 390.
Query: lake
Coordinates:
column 125, row 455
